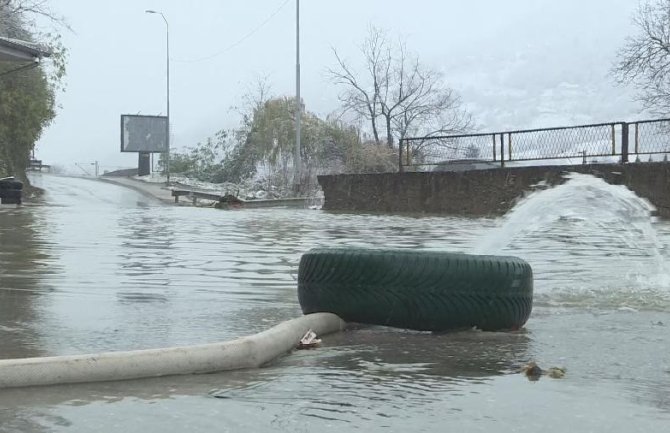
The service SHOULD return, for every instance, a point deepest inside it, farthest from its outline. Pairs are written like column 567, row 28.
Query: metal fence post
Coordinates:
column 509, row 145
column 624, row 142
column 400, row 167
column 637, row 137
column 494, row 146
column 502, row 150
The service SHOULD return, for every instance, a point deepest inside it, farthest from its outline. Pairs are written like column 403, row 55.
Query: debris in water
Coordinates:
column 556, row 372
column 309, row 340
column 533, row 372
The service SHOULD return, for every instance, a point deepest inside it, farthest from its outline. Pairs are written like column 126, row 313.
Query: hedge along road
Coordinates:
column 96, row 267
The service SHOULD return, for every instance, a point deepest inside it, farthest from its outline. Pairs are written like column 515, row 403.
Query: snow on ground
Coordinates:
column 249, row 190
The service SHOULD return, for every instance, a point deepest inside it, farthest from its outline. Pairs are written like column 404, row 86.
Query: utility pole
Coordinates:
column 298, row 105
column 167, row 58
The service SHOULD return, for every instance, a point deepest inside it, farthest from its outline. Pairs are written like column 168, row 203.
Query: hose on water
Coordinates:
column 245, row 352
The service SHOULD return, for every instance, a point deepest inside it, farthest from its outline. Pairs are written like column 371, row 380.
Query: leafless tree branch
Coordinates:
column 27, row 11
column 397, row 92
column 644, row 60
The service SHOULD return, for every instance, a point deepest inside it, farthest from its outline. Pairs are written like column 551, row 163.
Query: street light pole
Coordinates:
column 298, row 105
column 167, row 51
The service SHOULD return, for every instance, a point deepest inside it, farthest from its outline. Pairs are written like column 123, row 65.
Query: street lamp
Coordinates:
column 167, row 46
column 298, row 104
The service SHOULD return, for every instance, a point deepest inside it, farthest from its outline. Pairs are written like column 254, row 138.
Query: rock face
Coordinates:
column 480, row 193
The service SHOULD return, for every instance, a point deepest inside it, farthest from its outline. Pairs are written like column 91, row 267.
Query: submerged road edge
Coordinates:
column 155, row 191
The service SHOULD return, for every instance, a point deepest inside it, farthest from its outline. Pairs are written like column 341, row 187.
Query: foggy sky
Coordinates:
column 516, row 64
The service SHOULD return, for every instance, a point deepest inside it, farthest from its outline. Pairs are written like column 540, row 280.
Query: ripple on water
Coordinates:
column 93, row 275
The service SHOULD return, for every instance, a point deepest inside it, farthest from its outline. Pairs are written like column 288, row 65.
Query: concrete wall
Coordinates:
column 482, row 192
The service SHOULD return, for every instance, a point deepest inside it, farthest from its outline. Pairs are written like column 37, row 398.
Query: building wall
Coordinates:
column 481, row 192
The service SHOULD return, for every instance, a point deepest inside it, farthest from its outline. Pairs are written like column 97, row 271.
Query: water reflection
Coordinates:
column 467, row 354
column 652, row 393
column 145, row 242
column 25, row 268
column 377, row 370
column 32, row 409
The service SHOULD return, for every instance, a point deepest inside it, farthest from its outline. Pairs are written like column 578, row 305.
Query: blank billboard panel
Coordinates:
column 144, row 133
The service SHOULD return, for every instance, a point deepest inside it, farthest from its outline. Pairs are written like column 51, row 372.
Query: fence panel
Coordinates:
column 563, row 143
column 443, row 149
column 650, row 136
column 568, row 143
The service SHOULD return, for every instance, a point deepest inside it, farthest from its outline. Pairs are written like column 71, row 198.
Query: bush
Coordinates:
column 371, row 158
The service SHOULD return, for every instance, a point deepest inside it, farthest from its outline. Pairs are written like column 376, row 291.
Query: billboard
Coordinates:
column 144, row 133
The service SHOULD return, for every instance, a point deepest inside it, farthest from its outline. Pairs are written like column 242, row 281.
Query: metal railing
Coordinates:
column 616, row 139
column 650, row 136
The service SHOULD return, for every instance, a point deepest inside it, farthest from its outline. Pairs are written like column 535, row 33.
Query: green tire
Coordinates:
column 422, row 290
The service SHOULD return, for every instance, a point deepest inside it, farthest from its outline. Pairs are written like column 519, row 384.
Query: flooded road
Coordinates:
column 96, row 267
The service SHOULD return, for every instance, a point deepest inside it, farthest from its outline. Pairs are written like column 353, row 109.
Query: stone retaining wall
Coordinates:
column 481, row 192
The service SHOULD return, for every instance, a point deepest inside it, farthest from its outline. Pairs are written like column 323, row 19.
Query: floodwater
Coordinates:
column 96, row 267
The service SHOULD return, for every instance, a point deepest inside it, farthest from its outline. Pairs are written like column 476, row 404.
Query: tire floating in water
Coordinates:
column 421, row 290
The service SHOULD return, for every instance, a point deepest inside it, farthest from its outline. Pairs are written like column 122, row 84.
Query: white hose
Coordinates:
column 246, row 352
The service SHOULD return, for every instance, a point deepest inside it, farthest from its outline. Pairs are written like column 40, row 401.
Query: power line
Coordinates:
column 238, row 42
column 20, row 68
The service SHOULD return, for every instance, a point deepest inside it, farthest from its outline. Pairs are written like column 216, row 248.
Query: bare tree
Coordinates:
column 644, row 60
column 257, row 93
column 16, row 12
column 397, row 94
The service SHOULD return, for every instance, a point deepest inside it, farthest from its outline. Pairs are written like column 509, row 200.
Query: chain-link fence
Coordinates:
column 442, row 149
column 559, row 143
column 568, row 143
column 650, row 136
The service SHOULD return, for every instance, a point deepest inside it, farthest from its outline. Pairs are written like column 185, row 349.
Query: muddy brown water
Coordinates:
column 96, row 267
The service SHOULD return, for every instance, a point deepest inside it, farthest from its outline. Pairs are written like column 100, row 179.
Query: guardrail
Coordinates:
column 231, row 201
column 615, row 139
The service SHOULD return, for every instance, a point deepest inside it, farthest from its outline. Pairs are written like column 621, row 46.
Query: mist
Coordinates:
column 515, row 65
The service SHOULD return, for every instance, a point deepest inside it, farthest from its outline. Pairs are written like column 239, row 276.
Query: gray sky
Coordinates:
column 516, row 63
